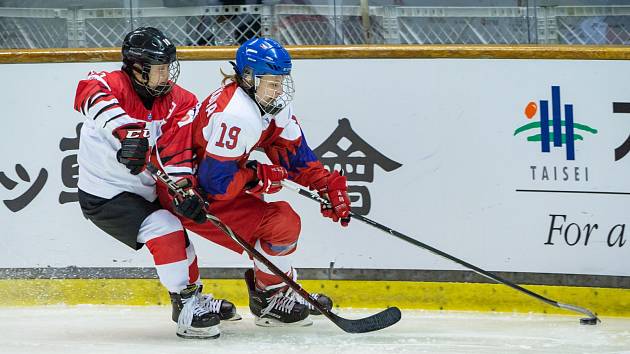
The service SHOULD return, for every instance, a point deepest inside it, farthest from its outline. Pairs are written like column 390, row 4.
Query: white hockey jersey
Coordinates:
column 109, row 101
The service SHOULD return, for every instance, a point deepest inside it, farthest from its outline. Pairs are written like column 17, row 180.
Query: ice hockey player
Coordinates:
column 126, row 112
column 252, row 111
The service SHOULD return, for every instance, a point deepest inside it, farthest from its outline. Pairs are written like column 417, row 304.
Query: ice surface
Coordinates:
column 148, row 330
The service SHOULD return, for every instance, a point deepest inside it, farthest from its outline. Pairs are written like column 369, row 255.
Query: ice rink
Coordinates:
column 140, row 330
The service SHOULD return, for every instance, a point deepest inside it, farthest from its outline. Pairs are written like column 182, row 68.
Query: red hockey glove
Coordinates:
column 134, row 151
column 268, row 178
column 191, row 205
column 335, row 189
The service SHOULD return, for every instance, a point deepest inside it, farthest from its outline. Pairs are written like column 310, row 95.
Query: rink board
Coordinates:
column 346, row 294
column 449, row 151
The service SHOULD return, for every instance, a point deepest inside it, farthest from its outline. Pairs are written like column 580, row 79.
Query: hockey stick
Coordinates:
column 591, row 320
column 375, row 322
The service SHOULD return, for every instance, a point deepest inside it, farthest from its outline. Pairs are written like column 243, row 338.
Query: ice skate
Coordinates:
column 273, row 309
column 194, row 320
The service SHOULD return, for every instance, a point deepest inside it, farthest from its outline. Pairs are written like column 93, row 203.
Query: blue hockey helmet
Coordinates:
column 264, row 68
column 264, row 56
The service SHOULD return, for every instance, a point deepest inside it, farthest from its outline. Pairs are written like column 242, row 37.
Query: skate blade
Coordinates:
column 236, row 317
column 270, row 322
column 212, row 332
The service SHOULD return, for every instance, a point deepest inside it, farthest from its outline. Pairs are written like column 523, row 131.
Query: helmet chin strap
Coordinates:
column 266, row 109
column 250, row 90
column 269, row 109
column 142, row 90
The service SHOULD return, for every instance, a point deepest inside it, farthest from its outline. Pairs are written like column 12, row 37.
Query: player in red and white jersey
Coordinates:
column 127, row 111
column 252, row 111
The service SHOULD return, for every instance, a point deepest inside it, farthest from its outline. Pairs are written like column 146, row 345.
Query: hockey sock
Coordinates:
column 164, row 237
column 265, row 279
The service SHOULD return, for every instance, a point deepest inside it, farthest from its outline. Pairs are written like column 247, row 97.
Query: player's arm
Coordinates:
column 175, row 145
column 292, row 152
column 175, row 154
column 96, row 100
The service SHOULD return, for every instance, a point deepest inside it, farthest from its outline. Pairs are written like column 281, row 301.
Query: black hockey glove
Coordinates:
column 134, row 151
column 191, row 205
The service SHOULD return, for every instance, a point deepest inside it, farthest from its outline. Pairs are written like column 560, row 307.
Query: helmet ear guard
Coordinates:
column 248, row 79
column 142, row 69
column 244, row 80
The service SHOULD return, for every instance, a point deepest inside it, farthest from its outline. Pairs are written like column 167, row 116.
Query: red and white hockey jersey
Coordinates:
column 229, row 126
column 109, row 101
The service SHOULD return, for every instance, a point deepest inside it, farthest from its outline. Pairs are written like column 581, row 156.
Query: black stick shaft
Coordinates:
column 496, row 278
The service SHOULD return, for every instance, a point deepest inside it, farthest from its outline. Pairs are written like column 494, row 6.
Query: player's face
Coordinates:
column 269, row 88
column 158, row 75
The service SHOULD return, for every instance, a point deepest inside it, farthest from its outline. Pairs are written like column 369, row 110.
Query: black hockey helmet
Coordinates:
column 148, row 46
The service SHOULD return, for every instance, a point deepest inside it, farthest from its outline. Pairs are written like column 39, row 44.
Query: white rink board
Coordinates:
column 450, row 123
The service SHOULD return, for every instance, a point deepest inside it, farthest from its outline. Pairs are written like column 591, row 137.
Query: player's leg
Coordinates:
column 249, row 216
column 278, row 235
column 224, row 308
column 134, row 221
column 164, row 236
column 276, row 238
column 272, row 228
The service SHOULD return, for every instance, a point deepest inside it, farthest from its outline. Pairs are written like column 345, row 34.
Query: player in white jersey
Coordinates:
column 127, row 111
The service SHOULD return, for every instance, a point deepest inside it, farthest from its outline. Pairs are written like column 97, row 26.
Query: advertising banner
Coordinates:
column 512, row 165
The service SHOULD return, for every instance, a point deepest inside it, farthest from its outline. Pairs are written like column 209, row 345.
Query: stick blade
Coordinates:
column 375, row 322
